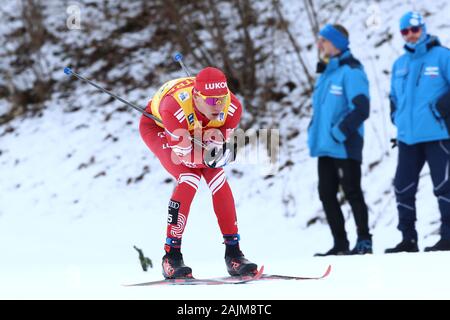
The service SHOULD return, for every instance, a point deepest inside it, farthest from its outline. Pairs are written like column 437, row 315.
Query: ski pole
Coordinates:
column 178, row 57
column 69, row 72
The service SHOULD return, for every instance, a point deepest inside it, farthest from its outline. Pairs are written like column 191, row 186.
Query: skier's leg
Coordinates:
column 225, row 210
column 181, row 199
column 223, row 201
column 187, row 179
column 179, row 206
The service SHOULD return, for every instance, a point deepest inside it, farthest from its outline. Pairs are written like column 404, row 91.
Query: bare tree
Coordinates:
column 312, row 17
column 295, row 45
column 28, row 63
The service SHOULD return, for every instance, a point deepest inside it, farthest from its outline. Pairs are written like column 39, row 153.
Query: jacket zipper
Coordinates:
column 417, row 85
column 420, row 74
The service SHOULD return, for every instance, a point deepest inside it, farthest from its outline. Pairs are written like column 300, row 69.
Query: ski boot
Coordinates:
column 237, row 264
column 173, row 266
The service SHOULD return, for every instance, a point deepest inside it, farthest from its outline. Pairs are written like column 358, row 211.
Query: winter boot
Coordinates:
column 237, row 264
column 172, row 263
column 340, row 248
column 441, row 245
column 363, row 246
column 404, row 246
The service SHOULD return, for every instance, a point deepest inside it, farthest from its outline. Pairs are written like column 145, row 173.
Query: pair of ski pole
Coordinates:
column 178, row 57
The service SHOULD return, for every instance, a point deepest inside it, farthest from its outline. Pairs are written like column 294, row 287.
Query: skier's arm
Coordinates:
column 176, row 129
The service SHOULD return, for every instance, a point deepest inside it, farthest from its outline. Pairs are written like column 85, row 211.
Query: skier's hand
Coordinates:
column 217, row 156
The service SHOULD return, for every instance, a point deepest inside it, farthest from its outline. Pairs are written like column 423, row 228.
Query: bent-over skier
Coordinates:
column 201, row 109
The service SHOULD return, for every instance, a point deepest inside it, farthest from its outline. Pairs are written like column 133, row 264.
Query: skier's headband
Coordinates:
column 337, row 38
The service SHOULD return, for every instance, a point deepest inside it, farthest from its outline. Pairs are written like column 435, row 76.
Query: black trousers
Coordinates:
column 347, row 173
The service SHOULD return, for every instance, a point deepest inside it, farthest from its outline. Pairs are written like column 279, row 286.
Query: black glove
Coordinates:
column 218, row 156
column 394, row 143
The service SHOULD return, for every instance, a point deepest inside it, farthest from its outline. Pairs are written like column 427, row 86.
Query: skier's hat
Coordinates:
column 411, row 19
column 211, row 82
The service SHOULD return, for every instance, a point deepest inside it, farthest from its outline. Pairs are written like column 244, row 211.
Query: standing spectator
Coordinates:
column 335, row 135
column 420, row 109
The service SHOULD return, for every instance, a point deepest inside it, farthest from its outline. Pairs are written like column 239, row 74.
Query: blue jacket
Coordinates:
column 420, row 93
column 340, row 106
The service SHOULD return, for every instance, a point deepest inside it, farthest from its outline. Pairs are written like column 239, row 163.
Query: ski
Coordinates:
column 259, row 276
column 286, row 277
column 209, row 281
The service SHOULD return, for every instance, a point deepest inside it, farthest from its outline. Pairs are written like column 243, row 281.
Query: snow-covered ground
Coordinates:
column 53, row 256
column 77, row 192
column 65, row 234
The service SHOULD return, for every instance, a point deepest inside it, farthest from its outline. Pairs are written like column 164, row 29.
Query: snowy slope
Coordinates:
column 77, row 192
column 66, row 234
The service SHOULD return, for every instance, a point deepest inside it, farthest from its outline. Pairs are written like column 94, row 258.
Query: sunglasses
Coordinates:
column 214, row 101
column 405, row 32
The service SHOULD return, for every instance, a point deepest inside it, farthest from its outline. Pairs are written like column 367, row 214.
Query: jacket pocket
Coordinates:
column 400, row 86
column 437, row 115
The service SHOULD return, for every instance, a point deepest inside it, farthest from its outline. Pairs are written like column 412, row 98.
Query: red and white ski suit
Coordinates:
column 181, row 157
